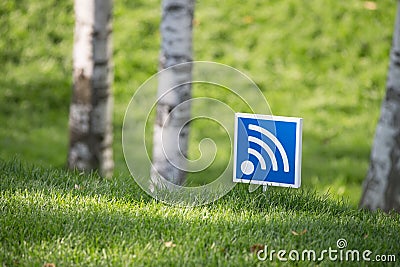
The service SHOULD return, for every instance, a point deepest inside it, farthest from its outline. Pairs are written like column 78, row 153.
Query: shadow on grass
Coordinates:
column 17, row 175
column 35, row 94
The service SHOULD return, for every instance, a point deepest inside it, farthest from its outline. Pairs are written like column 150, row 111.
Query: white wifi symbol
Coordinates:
column 247, row 166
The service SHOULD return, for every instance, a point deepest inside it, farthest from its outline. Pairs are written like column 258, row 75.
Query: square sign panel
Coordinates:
column 267, row 150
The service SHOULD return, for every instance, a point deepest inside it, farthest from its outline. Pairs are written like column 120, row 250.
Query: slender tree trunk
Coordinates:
column 171, row 131
column 382, row 184
column 90, row 119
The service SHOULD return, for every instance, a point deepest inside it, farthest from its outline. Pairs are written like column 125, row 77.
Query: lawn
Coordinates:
column 324, row 61
column 70, row 219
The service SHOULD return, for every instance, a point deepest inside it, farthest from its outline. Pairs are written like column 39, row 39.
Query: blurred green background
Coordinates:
column 324, row 61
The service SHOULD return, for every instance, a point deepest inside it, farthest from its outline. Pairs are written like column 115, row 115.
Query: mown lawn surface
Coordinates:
column 71, row 219
column 324, row 61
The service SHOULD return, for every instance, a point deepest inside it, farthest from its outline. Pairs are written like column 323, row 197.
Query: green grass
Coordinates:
column 71, row 219
column 324, row 61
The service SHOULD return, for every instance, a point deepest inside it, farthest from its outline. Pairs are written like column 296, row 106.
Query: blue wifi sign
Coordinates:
column 267, row 150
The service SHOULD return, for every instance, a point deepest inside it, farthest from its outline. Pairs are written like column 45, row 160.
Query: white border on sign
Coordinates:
column 297, row 161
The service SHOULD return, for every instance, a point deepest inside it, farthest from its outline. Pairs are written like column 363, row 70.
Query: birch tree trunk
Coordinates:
column 381, row 188
column 90, row 118
column 170, row 140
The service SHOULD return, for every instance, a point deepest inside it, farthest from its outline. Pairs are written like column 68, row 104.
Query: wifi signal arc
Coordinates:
column 268, row 149
column 259, row 157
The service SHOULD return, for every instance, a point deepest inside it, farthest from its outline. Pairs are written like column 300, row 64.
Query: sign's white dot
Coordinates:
column 247, row 167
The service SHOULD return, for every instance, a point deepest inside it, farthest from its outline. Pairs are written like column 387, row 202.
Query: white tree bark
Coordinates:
column 382, row 184
column 90, row 119
column 170, row 142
